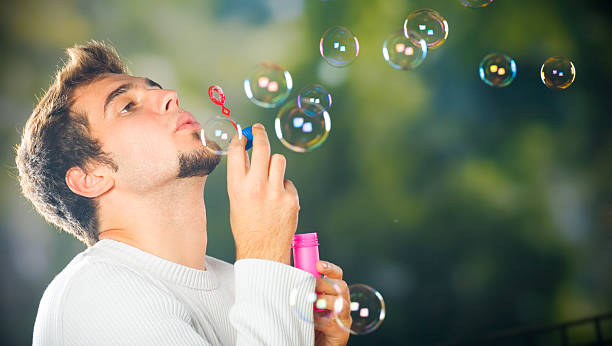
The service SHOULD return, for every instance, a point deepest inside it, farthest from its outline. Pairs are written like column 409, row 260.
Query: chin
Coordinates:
column 199, row 162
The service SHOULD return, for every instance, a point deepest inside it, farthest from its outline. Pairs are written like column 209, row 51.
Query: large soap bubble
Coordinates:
column 268, row 85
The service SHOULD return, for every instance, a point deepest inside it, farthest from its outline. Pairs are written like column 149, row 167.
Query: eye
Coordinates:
column 127, row 108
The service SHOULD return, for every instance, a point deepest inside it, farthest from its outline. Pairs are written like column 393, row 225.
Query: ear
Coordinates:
column 90, row 184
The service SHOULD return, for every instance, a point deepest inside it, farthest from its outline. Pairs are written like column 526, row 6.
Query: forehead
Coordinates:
column 89, row 99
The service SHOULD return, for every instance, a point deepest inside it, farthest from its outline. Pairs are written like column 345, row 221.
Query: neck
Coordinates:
column 169, row 222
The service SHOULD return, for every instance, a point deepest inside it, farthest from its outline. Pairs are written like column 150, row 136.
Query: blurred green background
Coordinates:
column 471, row 209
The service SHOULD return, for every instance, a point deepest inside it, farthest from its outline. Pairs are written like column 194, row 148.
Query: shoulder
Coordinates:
column 93, row 295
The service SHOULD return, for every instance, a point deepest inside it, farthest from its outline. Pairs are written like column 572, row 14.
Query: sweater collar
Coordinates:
column 158, row 267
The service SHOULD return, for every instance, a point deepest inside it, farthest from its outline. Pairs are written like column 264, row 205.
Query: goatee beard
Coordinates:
column 197, row 163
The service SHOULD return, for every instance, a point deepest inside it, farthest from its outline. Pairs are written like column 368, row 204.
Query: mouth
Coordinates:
column 186, row 121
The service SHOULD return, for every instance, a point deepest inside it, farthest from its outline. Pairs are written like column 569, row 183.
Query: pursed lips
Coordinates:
column 186, row 121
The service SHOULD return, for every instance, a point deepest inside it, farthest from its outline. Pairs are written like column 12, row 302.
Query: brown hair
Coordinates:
column 55, row 138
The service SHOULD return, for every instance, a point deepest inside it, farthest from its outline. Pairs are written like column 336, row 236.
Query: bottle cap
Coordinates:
column 304, row 240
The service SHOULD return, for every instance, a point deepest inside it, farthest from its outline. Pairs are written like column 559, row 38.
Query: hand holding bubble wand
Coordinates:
column 216, row 95
column 366, row 306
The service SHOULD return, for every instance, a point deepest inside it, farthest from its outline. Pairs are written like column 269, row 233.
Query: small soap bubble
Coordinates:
column 428, row 24
column 312, row 95
column 475, row 3
column 299, row 131
column 497, row 70
column 217, row 133
column 367, row 309
column 268, row 85
column 313, row 307
column 404, row 51
column 558, row 73
column 339, row 46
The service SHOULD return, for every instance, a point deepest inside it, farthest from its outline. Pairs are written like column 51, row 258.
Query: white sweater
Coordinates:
column 116, row 294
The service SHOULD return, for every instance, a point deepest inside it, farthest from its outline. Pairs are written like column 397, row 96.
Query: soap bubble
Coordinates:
column 404, row 52
column 217, row 133
column 299, row 131
column 367, row 309
column 558, row 73
column 312, row 95
column 475, row 3
column 428, row 24
column 313, row 307
column 339, row 46
column 268, row 85
column 497, row 70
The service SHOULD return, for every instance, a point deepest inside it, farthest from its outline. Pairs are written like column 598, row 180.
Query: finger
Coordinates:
column 330, row 286
column 329, row 269
column 247, row 161
column 333, row 326
column 260, row 157
column 276, row 177
column 236, row 166
column 336, row 304
column 289, row 187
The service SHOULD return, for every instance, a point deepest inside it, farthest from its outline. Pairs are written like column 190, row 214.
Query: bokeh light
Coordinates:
column 217, row 133
column 558, row 73
column 429, row 24
column 404, row 51
column 268, row 85
column 312, row 95
column 475, row 3
column 299, row 131
column 497, row 70
column 339, row 46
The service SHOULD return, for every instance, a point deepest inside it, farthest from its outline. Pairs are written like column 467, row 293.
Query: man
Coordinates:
column 114, row 160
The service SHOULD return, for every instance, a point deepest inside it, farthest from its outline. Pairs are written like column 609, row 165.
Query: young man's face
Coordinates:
column 150, row 138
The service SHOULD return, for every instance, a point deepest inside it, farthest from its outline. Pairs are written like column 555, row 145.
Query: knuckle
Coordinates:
column 343, row 286
column 292, row 202
column 279, row 157
column 233, row 148
column 257, row 188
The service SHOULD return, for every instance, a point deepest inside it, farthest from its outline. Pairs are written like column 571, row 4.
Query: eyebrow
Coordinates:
column 123, row 88
column 152, row 83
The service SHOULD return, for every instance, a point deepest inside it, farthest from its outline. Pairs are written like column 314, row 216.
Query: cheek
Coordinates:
column 143, row 153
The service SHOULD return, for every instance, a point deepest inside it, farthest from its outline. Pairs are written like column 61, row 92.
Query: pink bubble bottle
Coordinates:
column 306, row 254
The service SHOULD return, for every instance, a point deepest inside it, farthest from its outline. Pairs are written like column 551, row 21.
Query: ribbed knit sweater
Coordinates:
column 116, row 294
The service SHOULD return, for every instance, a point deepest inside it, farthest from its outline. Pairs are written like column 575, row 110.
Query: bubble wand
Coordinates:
column 247, row 131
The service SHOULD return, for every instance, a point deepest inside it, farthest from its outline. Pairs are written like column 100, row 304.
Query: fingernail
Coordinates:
column 324, row 265
column 258, row 125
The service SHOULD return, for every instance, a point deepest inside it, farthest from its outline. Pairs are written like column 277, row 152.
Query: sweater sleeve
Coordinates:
column 261, row 313
column 106, row 304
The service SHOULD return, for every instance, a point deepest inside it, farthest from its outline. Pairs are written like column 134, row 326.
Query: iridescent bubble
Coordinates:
column 268, row 85
column 312, row 95
column 404, row 52
column 299, row 131
column 497, row 70
column 428, row 24
column 367, row 309
column 475, row 3
column 217, row 133
column 339, row 46
column 558, row 73
column 313, row 307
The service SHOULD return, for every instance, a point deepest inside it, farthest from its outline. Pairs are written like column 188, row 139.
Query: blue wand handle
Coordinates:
column 248, row 133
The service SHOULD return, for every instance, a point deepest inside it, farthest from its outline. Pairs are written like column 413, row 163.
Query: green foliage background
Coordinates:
column 471, row 209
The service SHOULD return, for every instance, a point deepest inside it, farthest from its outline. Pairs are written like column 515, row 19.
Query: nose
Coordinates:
column 169, row 102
